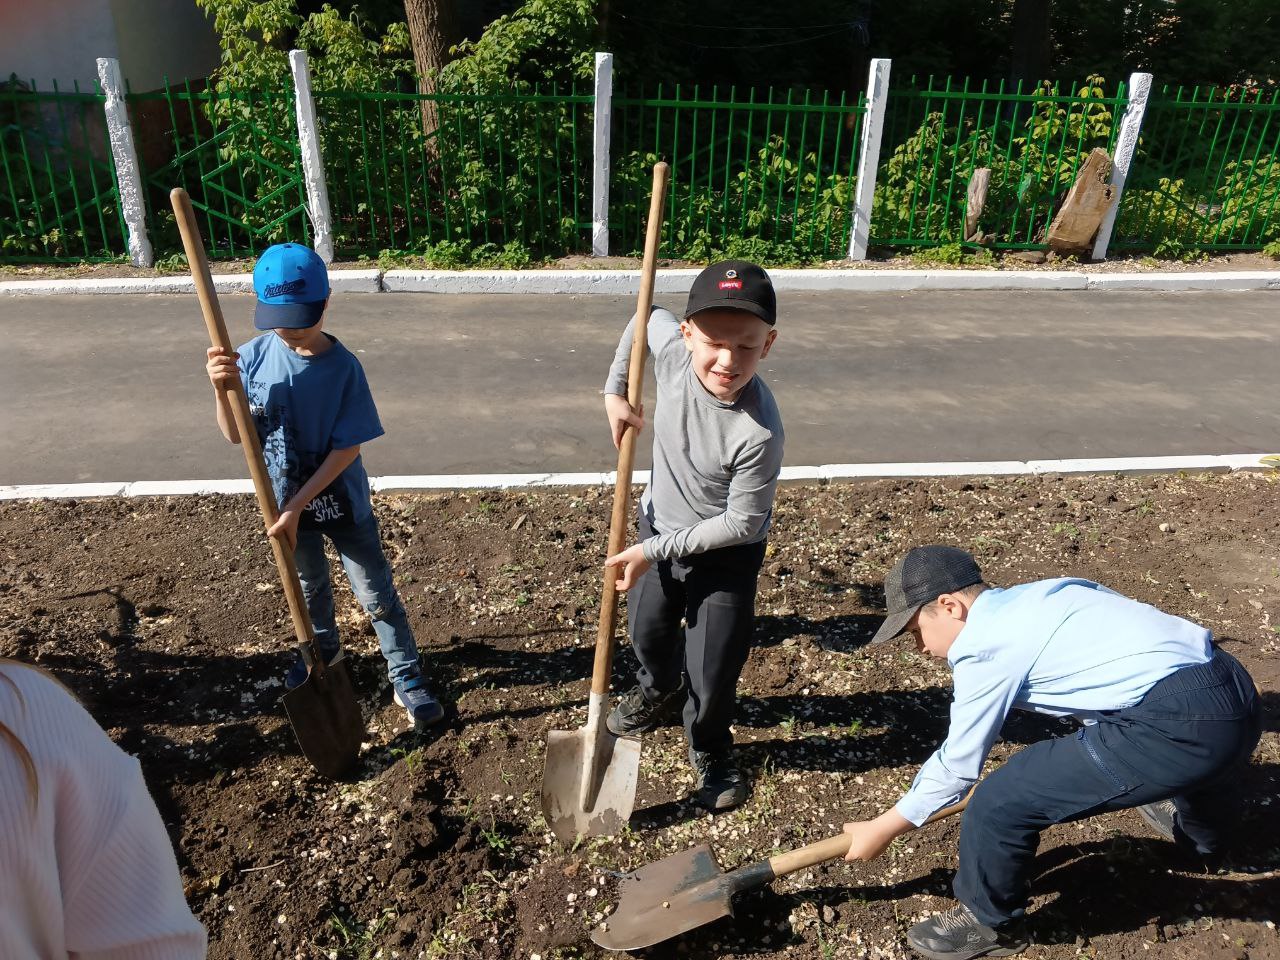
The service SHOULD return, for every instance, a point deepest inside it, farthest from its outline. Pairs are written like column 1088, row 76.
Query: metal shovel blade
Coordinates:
column 618, row 768
column 326, row 719
column 665, row 899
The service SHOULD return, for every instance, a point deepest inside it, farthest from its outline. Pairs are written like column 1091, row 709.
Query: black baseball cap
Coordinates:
column 920, row 577
column 734, row 285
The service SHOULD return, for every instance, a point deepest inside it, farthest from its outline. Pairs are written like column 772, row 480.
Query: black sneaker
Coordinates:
column 1160, row 817
column 959, row 935
column 721, row 783
column 635, row 713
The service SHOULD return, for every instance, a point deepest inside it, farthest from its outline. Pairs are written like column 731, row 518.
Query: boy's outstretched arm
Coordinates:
column 984, row 694
column 287, row 526
column 223, row 372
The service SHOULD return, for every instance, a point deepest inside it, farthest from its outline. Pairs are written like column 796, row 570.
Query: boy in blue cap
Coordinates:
column 313, row 410
column 1166, row 717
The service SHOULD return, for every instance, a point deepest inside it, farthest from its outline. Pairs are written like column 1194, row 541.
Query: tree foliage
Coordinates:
column 541, row 41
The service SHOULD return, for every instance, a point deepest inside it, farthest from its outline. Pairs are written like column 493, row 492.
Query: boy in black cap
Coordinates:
column 717, row 452
column 1165, row 715
column 313, row 410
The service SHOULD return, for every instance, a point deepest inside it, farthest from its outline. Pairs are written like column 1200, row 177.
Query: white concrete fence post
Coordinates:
column 602, row 111
column 1126, row 144
column 312, row 160
column 869, row 157
column 128, row 173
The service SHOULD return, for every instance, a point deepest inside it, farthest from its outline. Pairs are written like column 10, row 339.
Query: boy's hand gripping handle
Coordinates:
column 193, row 244
column 627, row 448
column 765, row 871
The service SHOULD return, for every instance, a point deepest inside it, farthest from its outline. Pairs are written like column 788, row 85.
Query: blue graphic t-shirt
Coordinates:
column 304, row 408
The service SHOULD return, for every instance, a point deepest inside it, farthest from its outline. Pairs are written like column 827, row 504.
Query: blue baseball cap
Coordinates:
column 292, row 284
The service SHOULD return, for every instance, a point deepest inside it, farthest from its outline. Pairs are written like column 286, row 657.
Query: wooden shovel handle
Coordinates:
column 838, row 846
column 627, row 448
column 193, row 244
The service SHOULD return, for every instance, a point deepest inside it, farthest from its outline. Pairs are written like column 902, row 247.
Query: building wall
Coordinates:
column 61, row 40
column 55, row 40
column 180, row 44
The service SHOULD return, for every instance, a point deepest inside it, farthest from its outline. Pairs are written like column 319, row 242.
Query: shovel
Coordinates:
column 323, row 710
column 589, row 779
column 673, row 896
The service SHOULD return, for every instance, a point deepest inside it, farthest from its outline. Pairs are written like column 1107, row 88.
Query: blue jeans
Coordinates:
column 1181, row 741
column 371, row 580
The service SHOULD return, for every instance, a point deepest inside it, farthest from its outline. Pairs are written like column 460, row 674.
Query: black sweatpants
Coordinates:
column 715, row 594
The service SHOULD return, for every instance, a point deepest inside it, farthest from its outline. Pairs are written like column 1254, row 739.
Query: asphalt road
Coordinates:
column 112, row 388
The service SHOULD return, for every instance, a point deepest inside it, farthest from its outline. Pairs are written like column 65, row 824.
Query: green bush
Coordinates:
column 453, row 255
column 1034, row 161
column 776, row 209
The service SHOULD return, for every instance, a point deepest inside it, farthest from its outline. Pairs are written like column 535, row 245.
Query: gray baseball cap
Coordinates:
column 920, row 577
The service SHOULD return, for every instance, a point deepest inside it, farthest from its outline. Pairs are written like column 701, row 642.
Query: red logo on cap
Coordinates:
column 730, row 284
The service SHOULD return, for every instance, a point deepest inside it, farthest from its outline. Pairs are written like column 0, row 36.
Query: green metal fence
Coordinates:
column 235, row 151
column 754, row 172
column 1206, row 174
column 757, row 173
column 1033, row 140
column 59, row 201
column 494, row 169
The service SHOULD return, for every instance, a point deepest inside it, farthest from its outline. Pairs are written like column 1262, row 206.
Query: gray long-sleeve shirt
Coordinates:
column 715, row 464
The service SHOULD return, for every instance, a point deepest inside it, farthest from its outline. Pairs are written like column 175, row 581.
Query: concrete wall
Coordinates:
column 55, row 40
column 61, row 40
column 178, row 44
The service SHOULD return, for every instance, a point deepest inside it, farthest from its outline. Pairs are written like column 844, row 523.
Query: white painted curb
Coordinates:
column 627, row 282
column 1222, row 280
column 1220, row 463
column 340, row 281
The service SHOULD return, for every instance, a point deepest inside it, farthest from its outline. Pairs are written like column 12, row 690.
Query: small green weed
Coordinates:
column 356, row 940
column 411, row 758
column 952, row 254
column 174, row 263
column 1171, row 248
column 1272, row 250
column 495, row 838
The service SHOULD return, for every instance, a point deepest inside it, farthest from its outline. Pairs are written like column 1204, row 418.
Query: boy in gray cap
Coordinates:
column 1166, row 715
column 717, row 452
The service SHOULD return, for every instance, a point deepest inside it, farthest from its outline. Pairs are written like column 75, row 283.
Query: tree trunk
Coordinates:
column 432, row 26
column 1030, row 60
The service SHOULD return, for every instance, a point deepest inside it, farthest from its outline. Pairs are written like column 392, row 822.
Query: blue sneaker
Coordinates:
column 416, row 698
column 298, row 672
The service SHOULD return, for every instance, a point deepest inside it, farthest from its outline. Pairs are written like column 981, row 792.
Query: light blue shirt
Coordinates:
column 1062, row 647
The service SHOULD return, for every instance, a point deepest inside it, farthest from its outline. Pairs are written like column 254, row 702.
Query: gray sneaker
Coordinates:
column 635, row 713
column 1160, row 817
column 959, row 935
column 721, row 783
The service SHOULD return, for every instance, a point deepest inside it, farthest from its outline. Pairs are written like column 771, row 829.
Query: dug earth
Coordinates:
column 165, row 617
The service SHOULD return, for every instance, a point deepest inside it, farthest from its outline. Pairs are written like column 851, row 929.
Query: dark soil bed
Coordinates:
column 164, row 615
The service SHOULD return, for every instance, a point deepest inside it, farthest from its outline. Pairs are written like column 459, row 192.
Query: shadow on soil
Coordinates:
column 1120, row 884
